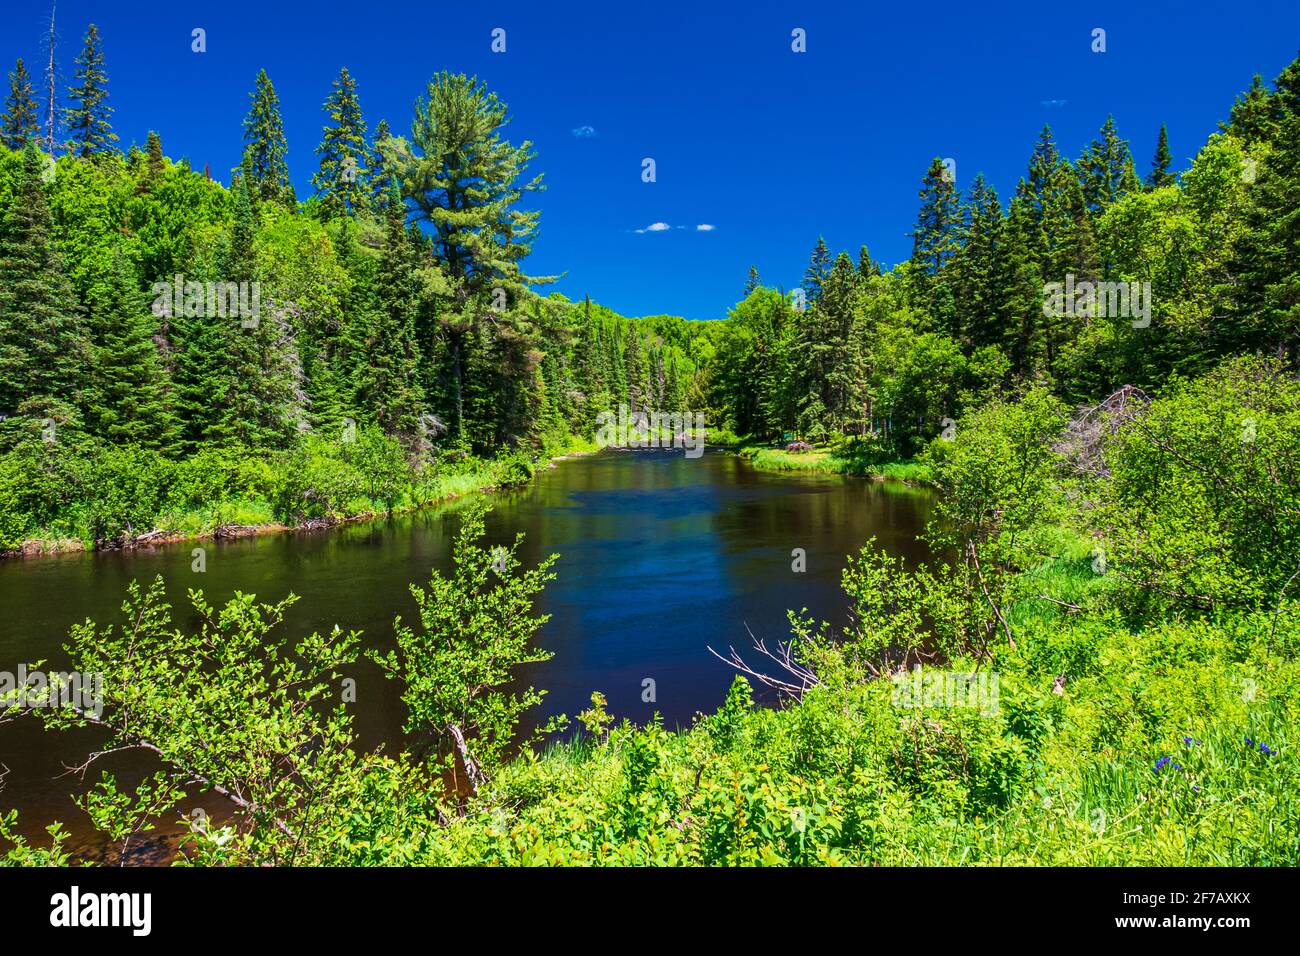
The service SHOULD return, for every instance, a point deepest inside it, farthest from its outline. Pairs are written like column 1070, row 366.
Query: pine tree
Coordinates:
column 1160, row 174
column 157, row 165
column 42, row 338
column 126, row 399
column 387, row 386
column 379, row 173
column 1106, row 170
column 265, row 147
column 1266, row 267
column 634, row 362
column 934, row 241
column 1254, row 116
column 87, row 118
column 867, row 267
column 819, row 270
column 20, row 123
column 975, row 268
column 341, row 181
column 1020, row 293
column 751, row 283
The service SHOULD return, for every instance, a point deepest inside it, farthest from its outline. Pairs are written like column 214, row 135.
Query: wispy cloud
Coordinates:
column 584, row 132
column 1052, row 104
column 705, row 227
column 655, row 227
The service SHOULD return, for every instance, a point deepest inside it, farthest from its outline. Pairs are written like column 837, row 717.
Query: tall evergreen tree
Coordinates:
column 819, row 270
column 42, row 338
column 388, row 384
column 1160, row 163
column 380, row 172
column 265, row 148
column 126, row 399
column 87, row 118
column 1254, row 115
column 867, row 266
column 975, row 269
column 1106, row 169
column 153, row 146
column 938, row 222
column 465, row 182
column 342, row 179
column 751, row 283
column 20, row 122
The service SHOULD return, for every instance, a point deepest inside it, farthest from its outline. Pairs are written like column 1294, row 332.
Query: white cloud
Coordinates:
column 655, row 227
column 705, row 227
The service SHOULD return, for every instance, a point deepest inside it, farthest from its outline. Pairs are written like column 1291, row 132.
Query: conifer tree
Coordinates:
column 153, row 146
column 1160, row 175
column 636, row 370
column 265, row 148
column 42, row 336
column 380, row 173
column 1020, row 292
column 975, row 268
column 88, row 117
column 343, row 175
column 1106, row 170
column 126, row 399
column 867, row 267
column 20, row 122
column 934, row 241
column 388, row 386
column 1254, row 116
column 819, row 270
column 751, row 283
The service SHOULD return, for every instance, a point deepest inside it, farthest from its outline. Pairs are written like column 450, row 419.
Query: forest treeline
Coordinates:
column 394, row 299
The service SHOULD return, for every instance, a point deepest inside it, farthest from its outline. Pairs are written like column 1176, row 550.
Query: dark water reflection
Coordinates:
column 660, row 557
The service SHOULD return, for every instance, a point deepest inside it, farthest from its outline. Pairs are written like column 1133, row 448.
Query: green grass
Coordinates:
column 834, row 459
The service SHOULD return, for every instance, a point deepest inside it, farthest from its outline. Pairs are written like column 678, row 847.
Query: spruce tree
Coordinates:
column 265, row 148
column 1254, row 116
column 819, row 270
column 751, row 283
column 380, row 174
column 1106, row 170
column 42, row 338
column 20, row 122
column 126, row 400
column 87, row 119
column 934, row 241
column 157, row 164
column 1160, row 175
column 867, row 267
column 1020, row 290
column 387, row 386
column 975, row 269
column 341, row 181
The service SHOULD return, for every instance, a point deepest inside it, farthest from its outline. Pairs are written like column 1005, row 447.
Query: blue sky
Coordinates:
column 769, row 147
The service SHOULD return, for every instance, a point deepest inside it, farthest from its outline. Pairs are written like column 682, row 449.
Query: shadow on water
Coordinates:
column 660, row 557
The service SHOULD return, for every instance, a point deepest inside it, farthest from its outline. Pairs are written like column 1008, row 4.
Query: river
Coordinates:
column 661, row 556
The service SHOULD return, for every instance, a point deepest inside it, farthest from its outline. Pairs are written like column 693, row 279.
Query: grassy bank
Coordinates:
column 133, row 498
column 835, row 459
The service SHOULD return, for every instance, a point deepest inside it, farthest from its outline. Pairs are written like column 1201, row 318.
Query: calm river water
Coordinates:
column 660, row 557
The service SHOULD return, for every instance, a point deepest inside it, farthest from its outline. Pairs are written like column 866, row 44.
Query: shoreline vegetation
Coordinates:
column 840, row 458
column 454, row 479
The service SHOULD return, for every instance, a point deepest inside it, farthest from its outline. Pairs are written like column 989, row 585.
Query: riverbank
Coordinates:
column 834, row 460
column 253, row 514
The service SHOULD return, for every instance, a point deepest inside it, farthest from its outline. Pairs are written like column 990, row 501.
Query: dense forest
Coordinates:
column 1096, row 374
